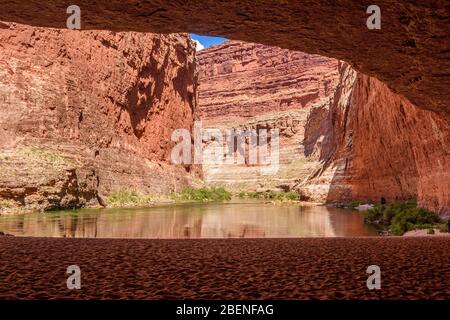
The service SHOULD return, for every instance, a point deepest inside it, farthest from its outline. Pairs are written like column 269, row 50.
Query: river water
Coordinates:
column 193, row 220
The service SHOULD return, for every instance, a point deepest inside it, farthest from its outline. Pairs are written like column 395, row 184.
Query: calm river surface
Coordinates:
column 199, row 220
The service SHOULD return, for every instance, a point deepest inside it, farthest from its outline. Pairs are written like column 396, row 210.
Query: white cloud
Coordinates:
column 199, row 45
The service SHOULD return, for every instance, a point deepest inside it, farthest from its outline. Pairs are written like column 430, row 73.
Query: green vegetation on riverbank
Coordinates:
column 350, row 205
column 400, row 217
column 270, row 195
column 129, row 198
column 203, row 194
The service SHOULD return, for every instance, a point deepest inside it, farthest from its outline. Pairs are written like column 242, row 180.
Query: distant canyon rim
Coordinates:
column 376, row 125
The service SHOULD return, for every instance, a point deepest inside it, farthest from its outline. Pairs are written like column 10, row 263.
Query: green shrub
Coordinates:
column 292, row 195
column 125, row 197
column 442, row 227
column 413, row 219
column 130, row 198
column 242, row 194
column 401, row 217
column 7, row 203
column 270, row 195
column 204, row 194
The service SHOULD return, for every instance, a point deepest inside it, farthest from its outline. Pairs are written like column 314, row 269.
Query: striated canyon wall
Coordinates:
column 377, row 144
column 86, row 113
column 252, row 86
column 344, row 136
column 241, row 80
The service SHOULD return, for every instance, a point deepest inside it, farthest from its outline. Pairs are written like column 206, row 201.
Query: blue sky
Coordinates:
column 207, row 41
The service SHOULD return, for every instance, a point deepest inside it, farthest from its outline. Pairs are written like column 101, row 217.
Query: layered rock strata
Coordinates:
column 354, row 140
column 377, row 145
column 247, row 86
column 86, row 113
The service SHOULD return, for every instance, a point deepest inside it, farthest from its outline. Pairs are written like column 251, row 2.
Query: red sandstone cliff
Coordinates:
column 378, row 144
column 364, row 143
column 253, row 86
column 89, row 112
column 240, row 79
column 85, row 113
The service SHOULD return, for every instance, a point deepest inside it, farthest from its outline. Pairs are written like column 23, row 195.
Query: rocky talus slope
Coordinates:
column 86, row 113
column 247, row 86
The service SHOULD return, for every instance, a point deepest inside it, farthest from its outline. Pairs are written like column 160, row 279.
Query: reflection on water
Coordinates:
column 209, row 220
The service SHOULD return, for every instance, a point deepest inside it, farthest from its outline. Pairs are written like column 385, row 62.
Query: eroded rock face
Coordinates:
column 240, row 80
column 378, row 144
column 409, row 53
column 354, row 139
column 249, row 86
column 86, row 113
